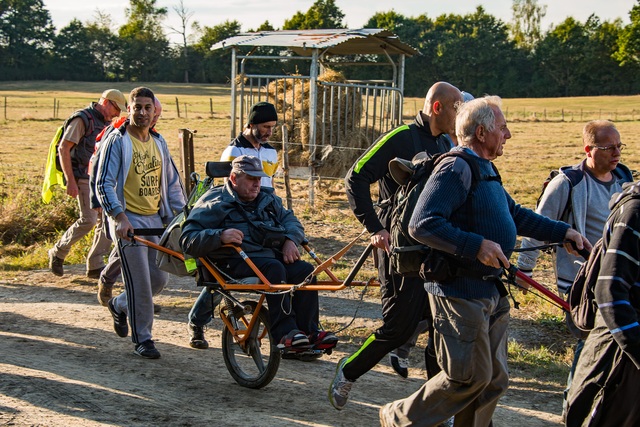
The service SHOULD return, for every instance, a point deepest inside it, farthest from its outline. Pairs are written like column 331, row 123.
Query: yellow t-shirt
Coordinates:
column 142, row 186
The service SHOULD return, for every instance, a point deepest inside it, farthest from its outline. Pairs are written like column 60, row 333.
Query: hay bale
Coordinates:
column 342, row 110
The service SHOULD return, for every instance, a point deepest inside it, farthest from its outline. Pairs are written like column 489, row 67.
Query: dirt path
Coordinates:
column 61, row 364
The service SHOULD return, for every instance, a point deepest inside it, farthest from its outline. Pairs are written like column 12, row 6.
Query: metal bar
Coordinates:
column 331, row 108
column 338, row 131
column 234, row 91
column 546, row 292
column 313, row 109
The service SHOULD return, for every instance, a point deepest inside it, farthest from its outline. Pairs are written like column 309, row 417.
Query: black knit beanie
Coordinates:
column 262, row 112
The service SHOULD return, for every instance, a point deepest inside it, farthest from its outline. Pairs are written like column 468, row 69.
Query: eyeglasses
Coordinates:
column 115, row 106
column 620, row 147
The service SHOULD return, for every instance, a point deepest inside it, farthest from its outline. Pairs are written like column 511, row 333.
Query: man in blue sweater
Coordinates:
column 476, row 230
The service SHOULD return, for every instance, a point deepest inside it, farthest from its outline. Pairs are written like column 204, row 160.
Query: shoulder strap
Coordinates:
column 476, row 177
column 574, row 174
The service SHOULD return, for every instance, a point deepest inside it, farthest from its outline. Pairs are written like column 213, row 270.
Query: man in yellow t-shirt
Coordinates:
column 138, row 186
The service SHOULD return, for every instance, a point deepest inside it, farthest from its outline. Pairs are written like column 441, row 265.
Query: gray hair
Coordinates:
column 477, row 112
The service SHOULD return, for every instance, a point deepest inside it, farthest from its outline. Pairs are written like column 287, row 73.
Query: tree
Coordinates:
column 561, row 56
column 185, row 16
column 472, row 51
column 145, row 45
column 74, row 55
column 629, row 41
column 525, row 27
column 105, row 45
column 322, row 14
column 214, row 66
column 26, row 35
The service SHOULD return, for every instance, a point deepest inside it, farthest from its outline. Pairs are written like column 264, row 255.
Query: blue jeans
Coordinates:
column 202, row 311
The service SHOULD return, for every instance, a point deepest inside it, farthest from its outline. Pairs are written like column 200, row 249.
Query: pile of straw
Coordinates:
column 292, row 103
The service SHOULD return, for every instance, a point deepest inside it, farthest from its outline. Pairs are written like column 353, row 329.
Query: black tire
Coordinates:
column 255, row 366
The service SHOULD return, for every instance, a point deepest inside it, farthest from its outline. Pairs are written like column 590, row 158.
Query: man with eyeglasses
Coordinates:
column 580, row 195
column 75, row 150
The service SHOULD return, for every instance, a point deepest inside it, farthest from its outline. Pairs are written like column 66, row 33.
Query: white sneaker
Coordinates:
column 340, row 387
column 400, row 365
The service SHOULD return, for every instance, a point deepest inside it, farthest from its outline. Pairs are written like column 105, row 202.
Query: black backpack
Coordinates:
column 408, row 255
column 582, row 301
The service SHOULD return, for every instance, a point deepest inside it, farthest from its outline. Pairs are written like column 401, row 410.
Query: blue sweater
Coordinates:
column 444, row 221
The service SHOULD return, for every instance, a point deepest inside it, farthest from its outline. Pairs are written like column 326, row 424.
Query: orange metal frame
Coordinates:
column 241, row 335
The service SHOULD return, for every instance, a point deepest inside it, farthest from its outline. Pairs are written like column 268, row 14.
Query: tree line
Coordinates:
column 476, row 51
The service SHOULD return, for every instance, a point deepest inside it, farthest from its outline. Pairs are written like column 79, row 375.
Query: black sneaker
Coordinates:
column 55, row 264
column 399, row 364
column 119, row 320
column 197, row 337
column 147, row 350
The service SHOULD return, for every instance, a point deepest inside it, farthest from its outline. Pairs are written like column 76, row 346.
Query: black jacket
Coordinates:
column 404, row 142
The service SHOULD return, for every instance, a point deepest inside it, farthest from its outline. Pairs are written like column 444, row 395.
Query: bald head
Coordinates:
column 440, row 107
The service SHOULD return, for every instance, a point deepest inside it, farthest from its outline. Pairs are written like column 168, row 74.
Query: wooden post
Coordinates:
column 285, row 166
column 562, row 114
column 178, row 107
column 58, row 109
column 186, row 115
column 5, row 108
column 54, row 108
column 211, row 106
column 185, row 137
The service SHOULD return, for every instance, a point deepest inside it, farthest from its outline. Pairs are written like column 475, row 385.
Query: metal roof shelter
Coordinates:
column 331, row 42
column 318, row 46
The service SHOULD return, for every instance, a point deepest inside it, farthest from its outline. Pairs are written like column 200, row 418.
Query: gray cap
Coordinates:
column 466, row 96
column 250, row 165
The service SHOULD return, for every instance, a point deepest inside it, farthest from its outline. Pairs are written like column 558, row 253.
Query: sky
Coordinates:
column 252, row 13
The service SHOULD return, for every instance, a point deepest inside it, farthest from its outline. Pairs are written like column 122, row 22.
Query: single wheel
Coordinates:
column 255, row 363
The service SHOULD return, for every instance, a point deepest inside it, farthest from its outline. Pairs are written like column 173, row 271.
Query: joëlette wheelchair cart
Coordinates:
column 250, row 353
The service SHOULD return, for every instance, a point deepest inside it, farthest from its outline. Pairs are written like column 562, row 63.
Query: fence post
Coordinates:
column 186, row 114
column 5, row 108
column 54, row 108
column 185, row 137
column 211, row 106
column 562, row 114
column 178, row 106
column 285, row 165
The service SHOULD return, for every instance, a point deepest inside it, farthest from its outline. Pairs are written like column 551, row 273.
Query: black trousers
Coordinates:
column 286, row 312
column 404, row 305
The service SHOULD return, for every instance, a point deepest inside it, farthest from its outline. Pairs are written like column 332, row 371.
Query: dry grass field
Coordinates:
column 540, row 350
